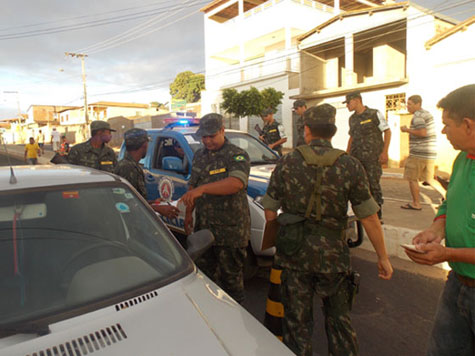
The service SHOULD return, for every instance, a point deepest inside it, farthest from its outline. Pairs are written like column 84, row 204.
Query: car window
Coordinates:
column 63, row 248
column 257, row 151
column 170, row 147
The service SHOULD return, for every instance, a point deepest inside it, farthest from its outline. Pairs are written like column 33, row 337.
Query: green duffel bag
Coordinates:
column 291, row 233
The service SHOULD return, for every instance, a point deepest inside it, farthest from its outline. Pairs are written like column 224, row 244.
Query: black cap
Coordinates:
column 352, row 95
column 210, row 124
column 298, row 104
column 320, row 115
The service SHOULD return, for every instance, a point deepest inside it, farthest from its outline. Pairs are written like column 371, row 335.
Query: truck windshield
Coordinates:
column 80, row 246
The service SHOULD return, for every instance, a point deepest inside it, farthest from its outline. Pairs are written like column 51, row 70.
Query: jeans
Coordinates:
column 453, row 333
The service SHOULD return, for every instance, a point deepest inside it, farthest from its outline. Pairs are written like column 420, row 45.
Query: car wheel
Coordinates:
column 250, row 264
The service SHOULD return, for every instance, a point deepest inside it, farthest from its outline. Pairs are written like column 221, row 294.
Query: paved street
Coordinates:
column 391, row 318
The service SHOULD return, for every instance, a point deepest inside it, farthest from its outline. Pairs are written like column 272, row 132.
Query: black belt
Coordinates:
column 466, row 281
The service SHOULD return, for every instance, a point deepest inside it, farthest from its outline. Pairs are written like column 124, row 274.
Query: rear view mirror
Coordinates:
column 198, row 243
column 24, row 212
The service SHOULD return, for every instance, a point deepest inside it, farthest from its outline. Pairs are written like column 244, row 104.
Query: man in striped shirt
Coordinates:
column 422, row 150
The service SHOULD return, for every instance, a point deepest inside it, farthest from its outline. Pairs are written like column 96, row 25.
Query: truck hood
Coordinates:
column 259, row 179
column 189, row 317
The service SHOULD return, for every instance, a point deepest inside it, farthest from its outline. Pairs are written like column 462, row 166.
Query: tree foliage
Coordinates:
column 250, row 102
column 187, row 85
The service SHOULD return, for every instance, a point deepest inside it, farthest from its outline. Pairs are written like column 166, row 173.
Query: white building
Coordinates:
column 388, row 53
column 254, row 43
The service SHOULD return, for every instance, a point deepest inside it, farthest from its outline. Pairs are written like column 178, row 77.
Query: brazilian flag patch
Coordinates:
column 239, row 158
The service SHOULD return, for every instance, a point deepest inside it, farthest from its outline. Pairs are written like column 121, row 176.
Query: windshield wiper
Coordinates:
column 27, row 328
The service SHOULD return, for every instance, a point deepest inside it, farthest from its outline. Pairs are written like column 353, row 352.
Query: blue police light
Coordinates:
column 183, row 122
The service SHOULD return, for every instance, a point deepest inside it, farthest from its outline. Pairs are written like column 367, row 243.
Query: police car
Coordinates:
column 87, row 268
column 167, row 168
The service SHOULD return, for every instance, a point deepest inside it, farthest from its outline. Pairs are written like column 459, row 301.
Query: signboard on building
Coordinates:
column 178, row 105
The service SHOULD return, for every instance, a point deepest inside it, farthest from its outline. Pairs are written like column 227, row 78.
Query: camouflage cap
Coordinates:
column 299, row 103
column 135, row 136
column 100, row 125
column 267, row 112
column 210, row 124
column 320, row 115
column 352, row 95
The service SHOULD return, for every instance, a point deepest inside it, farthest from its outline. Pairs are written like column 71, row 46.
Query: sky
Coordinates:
column 134, row 48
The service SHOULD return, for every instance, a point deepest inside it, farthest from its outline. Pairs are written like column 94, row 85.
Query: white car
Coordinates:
column 87, row 268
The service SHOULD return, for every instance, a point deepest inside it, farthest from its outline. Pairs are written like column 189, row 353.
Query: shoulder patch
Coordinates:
column 239, row 158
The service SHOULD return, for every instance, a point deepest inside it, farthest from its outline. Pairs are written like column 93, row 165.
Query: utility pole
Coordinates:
column 83, row 67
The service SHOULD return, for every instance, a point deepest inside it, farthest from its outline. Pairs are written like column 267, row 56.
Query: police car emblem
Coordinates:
column 165, row 189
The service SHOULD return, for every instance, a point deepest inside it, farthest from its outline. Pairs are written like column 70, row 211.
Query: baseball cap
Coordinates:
column 352, row 95
column 298, row 104
column 135, row 136
column 323, row 114
column 266, row 112
column 100, row 125
column 210, row 124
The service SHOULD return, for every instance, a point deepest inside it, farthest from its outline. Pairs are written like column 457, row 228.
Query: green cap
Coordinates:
column 100, row 125
column 135, row 136
column 266, row 112
column 210, row 124
column 323, row 114
column 298, row 104
column 352, row 95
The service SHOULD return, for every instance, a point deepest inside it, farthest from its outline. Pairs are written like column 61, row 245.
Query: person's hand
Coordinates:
column 168, row 211
column 385, row 269
column 261, row 138
column 433, row 253
column 383, row 158
column 425, row 237
column 404, row 128
column 188, row 223
column 190, row 196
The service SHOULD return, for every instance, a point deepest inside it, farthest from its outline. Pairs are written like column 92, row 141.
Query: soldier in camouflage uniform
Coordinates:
column 217, row 188
column 136, row 144
column 95, row 153
column 366, row 142
column 299, row 108
column 311, row 243
column 273, row 133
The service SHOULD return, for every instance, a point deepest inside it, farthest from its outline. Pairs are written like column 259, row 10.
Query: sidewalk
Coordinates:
column 400, row 225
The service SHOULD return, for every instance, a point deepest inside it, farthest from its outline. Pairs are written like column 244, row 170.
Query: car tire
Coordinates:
column 250, row 264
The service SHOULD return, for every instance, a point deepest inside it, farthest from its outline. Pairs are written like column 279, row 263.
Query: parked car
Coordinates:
column 86, row 267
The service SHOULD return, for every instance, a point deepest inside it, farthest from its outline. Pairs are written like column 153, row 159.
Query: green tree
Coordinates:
column 187, row 85
column 250, row 102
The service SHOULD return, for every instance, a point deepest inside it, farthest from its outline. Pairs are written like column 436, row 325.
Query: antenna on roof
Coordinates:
column 13, row 179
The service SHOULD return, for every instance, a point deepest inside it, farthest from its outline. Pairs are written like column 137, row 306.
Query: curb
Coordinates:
column 395, row 236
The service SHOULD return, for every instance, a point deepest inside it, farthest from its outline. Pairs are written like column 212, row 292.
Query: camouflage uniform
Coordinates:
column 367, row 146
column 132, row 171
column 318, row 262
column 300, row 134
column 84, row 154
column 271, row 134
column 128, row 168
column 227, row 216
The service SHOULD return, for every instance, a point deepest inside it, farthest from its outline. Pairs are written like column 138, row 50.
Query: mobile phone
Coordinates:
column 412, row 248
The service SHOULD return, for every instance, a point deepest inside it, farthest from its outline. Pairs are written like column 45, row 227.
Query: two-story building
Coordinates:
column 386, row 53
column 254, row 43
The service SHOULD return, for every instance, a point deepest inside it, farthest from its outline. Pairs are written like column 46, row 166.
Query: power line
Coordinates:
column 84, row 25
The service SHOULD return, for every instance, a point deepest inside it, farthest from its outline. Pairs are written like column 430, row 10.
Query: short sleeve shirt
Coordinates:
column 102, row 158
column 129, row 169
column 227, row 216
column 32, row 150
column 423, row 147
